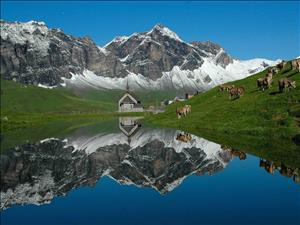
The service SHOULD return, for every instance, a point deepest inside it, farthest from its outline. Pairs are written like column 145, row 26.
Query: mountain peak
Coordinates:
column 39, row 23
column 165, row 31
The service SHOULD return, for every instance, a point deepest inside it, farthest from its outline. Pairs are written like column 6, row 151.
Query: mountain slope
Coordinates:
column 158, row 59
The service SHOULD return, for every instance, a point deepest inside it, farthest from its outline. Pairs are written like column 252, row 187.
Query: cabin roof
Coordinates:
column 129, row 97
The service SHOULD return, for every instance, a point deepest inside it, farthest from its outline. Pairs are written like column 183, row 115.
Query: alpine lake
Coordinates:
column 125, row 171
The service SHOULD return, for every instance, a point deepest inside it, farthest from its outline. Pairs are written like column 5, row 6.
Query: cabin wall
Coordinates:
column 129, row 108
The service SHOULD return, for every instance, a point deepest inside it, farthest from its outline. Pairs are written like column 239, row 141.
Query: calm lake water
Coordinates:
column 123, row 172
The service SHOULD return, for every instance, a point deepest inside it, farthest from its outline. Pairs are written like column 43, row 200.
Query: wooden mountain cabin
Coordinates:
column 128, row 103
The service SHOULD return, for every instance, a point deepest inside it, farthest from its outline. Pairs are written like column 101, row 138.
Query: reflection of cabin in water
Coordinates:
column 129, row 126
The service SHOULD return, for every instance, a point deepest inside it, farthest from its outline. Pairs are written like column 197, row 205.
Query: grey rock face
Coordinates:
column 31, row 53
column 154, row 52
column 220, row 56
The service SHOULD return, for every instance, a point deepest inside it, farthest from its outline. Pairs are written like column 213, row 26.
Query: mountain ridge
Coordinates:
column 31, row 53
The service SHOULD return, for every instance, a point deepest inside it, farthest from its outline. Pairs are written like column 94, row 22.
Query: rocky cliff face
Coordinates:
column 36, row 173
column 31, row 53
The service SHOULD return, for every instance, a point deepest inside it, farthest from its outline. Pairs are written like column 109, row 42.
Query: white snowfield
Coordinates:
column 203, row 78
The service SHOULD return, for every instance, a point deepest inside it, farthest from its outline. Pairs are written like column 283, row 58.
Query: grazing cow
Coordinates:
column 296, row 65
column 236, row 92
column 273, row 70
column 226, row 87
column 281, row 65
column 269, row 80
column 180, row 112
column 265, row 82
column 261, row 83
column 188, row 108
column 183, row 111
column 184, row 137
column 284, row 84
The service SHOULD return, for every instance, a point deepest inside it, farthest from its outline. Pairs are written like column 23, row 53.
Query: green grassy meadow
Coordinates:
column 27, row 105
column 255, row 122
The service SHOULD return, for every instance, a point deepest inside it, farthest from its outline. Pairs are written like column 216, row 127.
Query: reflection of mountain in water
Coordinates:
column 35, row 173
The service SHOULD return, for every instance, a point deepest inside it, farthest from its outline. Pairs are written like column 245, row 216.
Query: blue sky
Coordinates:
column 245, row 29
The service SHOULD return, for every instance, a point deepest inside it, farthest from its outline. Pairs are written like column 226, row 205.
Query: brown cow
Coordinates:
column 183, row 111
column 261, row 84
column 265, row 82
column 226, row 87
column 236, row 92
column 273, row 70
column 188, row 108
column 180, row 112
column 281, row 65
column 296, row 65
column 269, row 80
column 286, row 84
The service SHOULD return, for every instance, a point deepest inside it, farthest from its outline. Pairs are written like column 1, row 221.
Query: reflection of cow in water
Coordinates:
column 284, row 170
column 235, row 153
column 267, row 165
column 184, row 137
column 289, row 172
column 240, row 154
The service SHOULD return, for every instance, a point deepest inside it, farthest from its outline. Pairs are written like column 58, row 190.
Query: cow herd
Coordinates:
column 263, row 83
column 284, row 84
column 266, row 82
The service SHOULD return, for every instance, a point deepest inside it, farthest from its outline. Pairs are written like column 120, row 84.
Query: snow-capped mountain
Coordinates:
column 35, row 173
column 32, row 53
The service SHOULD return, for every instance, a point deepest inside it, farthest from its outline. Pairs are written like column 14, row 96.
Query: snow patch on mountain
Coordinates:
column 120, row 40
column 203, row 78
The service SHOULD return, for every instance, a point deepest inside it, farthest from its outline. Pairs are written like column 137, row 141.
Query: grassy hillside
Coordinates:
column 17, row 98
column 258, row 120
column 27, row 105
